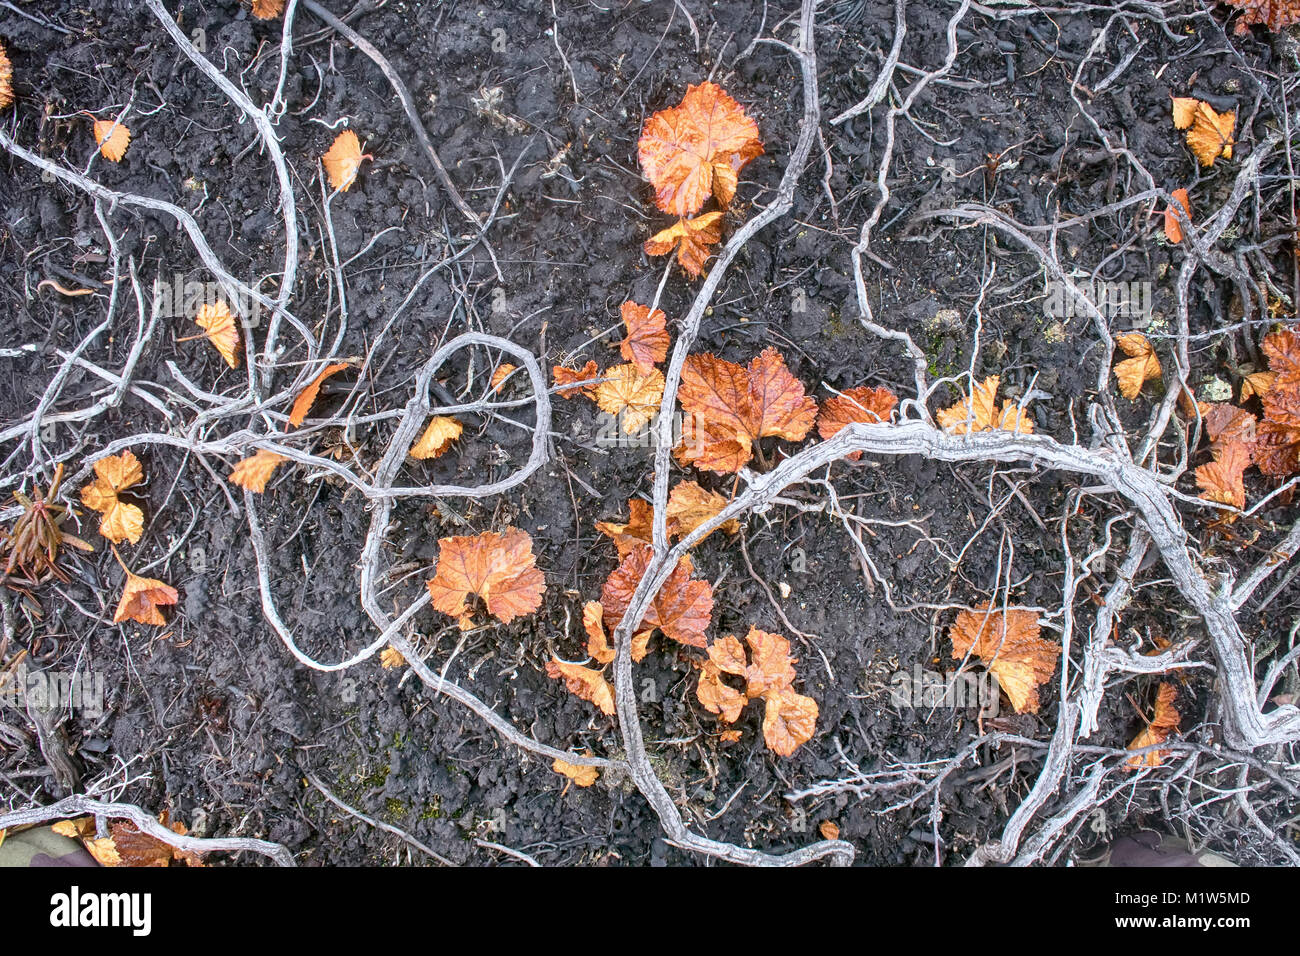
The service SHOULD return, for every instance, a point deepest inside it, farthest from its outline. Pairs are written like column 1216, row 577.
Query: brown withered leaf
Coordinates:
column 681, row 609
column 218, row 325
column 1174, row 228
column 255, row 471
column 1256, row 384
column 499, row 568
column 731, row 407
column 342, row 161
column 789, row 720
column 593, row 622
column 581, row 774
column 979, row 412
column 1277, row 442
column 647, row 340
column 1163, row 723
column 631, row 394
column 1228, row 423
column 771, row 667
column 1283, row 351
column 697, row 148
column 141, row 598
column 441, row 431
column 6, row 78
column 112, row 138
column 1008, row 644
column 1221, row 479
column 567, row 376
column 690, row 505
column 307, row 397
column 1209, row 133
column 119, row 520
column 861, row 404
column 716, row 695
column 1277, row 15
column 391, row 658
column 503, row 372
column 1141, row 366
column 583, row 682
column 267, row 9
column 693, row 239
column 637, row 531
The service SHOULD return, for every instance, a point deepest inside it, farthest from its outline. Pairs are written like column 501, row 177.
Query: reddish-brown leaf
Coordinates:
column 861, row 404
column 646, row 341
column 1008, row 644
column 567, row 376
column 141, row 598
column 1277, row 15
column 307, row 397
column 681, row 609
column 1174, row 228
column 499, row 568
column 693, row 239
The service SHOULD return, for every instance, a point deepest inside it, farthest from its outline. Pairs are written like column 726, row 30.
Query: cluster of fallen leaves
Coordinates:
column 688, row 153
column 1277, row 15
column 632, row 391
column 126, row 844
column 1238, row 438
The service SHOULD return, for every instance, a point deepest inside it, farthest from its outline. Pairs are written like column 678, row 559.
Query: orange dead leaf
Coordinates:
column 267, row 9
column 567, row 376
column 771, row 666
column 790, row 718
column 1173, row 228
column 788, row 721
column 390, row 658
column 584, row 682
column 689, row 506
column 499, row 568
column 729, row 736
column 581, row 774
column 630, row 393
column 1209, row 133
column 593, row 622
column 1141, row 366
column 437, row 438
column 829, row 830
column 1277, row 15
column 502, row 373
column 692, row 238
column 1283, row 351
column 218, row 325
column 112, row 138
column 979, row 412
column 717, row 696
column 681, row 609
column 1008, row 644
column 307, row 397
column 731, row 407
column 255, row 471
column 1221, row 479
column 1256, row 384
column 1227, row 423
column 141, row 598
column 120, row 520
column 862, row 404
column 6, row 78
column 1163, row 723
column 646, row 341
column 638, row 529
column 697, row 148
column 342, row 161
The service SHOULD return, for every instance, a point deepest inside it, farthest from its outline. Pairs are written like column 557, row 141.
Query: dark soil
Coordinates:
column 211, row 716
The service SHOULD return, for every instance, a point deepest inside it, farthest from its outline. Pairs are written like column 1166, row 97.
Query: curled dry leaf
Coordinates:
column 442, row 430
column 267, row 9
column 112, row 138
column 391, row 658
column 503, row 372
column 697, row 148
column 6, row 78
column 979, row 412
column 218, row 325
column 1209, row 133
column 253, row 472
column 638, row 530
column 1163, row 723
column 693, row 239
column 646, row 341
column 681, row 609
column 499, row 568
column 1277, row 15
column 581, row 774
column 119, row 520
column 1141, row 366
column 342, row 161
column 689, row 506
column 717, row 696
column 731, row 407
column 141, row 598
column 1007, row 642
column 593, row 622
column 567, row 376
column 583, row 682
column 631, row 394
column 862, row 404
column 1174, row 228
column 307, row 397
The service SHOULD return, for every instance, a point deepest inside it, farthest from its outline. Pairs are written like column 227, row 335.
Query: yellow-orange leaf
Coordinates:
column 646, row 341
column 1209, row 133
column 218, row 325
column 581, row 774
column 307, row 397
column 697, row 148
column 979, row 412
column 1173, row 228
column 638, row 529
column 788, row 721
column 568, row 376
column 584, row 682
column 593, row 622
column 862, row 404
column 631, row 394
column 390, row 658
column 141, row 598
column 343, row 160
column 499, row 568
column 1163, row 723
column 1257, row 384
column 717, row 696
column 112, row 138
column 693, row 239
column 689, row 506
column 1008, row 644
column 771, row 666
column 437, row 438
column 119, row 520
column 255, row 471
column 6, row 78
column 1141, row 366
column 267, row 9
column 502, row 373
column 1221, row 479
